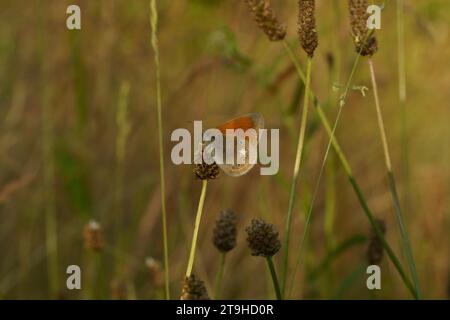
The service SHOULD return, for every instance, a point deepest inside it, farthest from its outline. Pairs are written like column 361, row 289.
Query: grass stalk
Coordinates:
column 341, row 105
column 123, row 129
column 155, row 46
column 51, row 225
column 274, row 278
column 402, row 98
column 198, row 218
column 348, row 171
column 392, row 184
column 298, row 158
column 401, row 50
column 219, row 275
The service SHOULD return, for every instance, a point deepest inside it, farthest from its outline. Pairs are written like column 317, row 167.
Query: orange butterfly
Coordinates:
column 244, row 147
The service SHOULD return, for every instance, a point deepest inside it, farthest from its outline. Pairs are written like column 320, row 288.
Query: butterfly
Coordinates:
column 244, row 148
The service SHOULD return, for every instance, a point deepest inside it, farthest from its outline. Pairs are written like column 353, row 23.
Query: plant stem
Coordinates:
column 51, row 224
column 402, row 98
column 387, row 156
column 219, row 275
column 392, row 184
column 316, row 188
column 154, row 42
column 123, row 129
column 401, row 50
column 348, row 171
column 198, row 218
column 274, row 278
column 295, row 174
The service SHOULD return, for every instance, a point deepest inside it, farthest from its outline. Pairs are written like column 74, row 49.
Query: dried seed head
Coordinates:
column 119, row 290
column 206, row 171
column 365, row 43
column 202, row 169
column 93, row 236
column 224, row 233
column 262, row 238
column 307, row 26
column 266, row 19
column 193, row 289
column 375, row 248
column 155, row 271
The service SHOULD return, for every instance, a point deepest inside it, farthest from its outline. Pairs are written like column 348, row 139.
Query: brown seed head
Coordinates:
column 266, row 19
column 202, row 169
column 365, row 43
column 224, row 233
column 206, row 171
column 307, row 26
column 93, row 236
column 193, row 289
column 375, row 248
column 262, row 238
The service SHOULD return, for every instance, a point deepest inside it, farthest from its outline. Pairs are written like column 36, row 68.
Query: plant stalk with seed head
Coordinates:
column 154, row 42
column 346, row 166
column 308, row 39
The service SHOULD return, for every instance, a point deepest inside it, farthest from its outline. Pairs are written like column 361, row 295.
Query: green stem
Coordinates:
column 219, row 275
column 380, row 235
column 348, row 171
column 154, row 42
column 295, row 174
column 198, row 218
column 274, row 278
column 316, row 188
column 341, row 105
column 392, row 184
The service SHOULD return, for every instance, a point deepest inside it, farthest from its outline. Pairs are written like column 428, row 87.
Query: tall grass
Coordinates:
column 392, row 184
column 402, row 95
column 123, row 130
column 346, row 166
column 309, row 41
column 292, row 192
column 51, row 225
column 342, row 100
column 154, row 43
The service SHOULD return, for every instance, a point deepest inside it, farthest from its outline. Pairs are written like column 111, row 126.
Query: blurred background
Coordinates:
column 78, row 143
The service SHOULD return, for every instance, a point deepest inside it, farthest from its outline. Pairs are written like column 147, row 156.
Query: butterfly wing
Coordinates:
column 242, row 150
